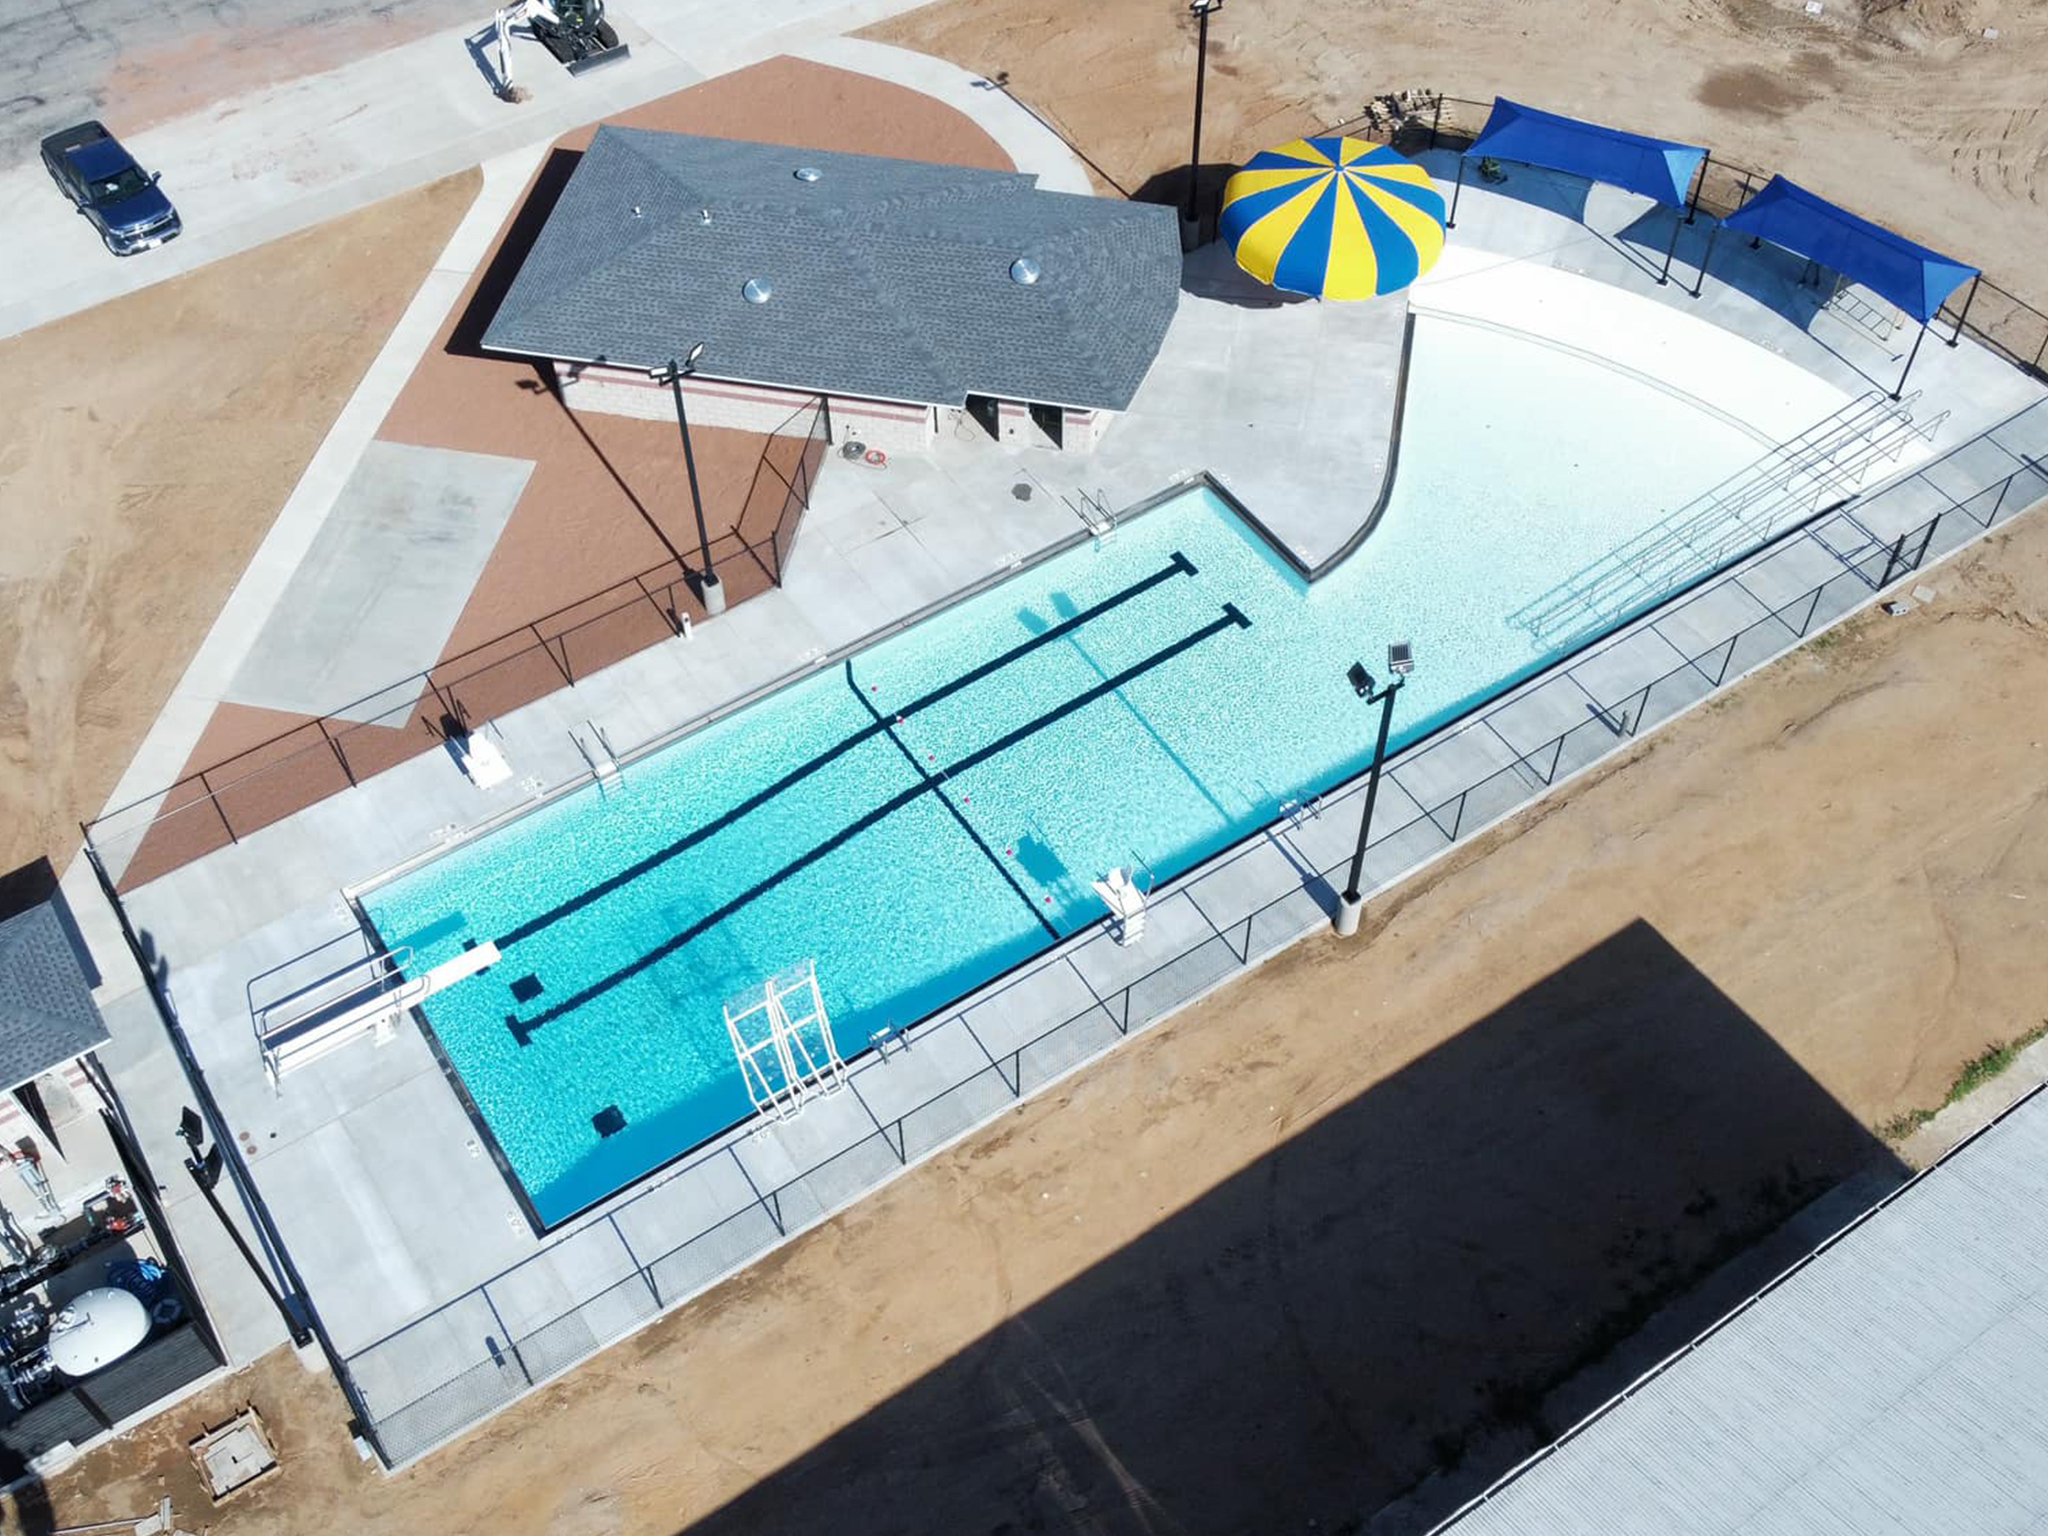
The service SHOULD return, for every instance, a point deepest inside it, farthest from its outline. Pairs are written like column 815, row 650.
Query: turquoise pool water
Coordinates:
column 932, row 812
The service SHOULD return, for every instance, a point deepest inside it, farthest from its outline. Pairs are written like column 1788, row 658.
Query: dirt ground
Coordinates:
column 1271, row 1262
column 1912, row 118
column 150, row 444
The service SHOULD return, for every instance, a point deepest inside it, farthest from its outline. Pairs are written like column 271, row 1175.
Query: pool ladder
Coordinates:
column 602, row 761
column 1093, row 511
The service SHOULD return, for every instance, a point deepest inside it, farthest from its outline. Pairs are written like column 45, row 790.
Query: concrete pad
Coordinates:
column 1616, row 671
column 378, row 594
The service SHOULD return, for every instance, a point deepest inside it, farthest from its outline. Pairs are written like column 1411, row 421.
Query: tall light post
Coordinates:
column 1400, row 662
column 1190, row 219
column 709, row 588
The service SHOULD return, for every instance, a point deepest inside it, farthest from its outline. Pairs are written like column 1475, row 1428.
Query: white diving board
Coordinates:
column 326, row 1016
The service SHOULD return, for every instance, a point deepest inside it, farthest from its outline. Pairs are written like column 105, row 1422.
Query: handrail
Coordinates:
column 393, row 963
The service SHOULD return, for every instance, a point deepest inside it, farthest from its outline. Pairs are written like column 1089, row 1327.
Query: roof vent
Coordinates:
column 1024, row 270
column 757, row 291
column 808, row 173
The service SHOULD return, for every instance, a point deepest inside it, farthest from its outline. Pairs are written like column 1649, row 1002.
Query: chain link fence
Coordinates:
column 279, row 777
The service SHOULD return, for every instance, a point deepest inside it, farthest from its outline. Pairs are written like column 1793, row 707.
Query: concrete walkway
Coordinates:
column 250, row 606
column 253, row 168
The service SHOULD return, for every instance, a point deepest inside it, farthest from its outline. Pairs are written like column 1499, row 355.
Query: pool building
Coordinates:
column 905, row 295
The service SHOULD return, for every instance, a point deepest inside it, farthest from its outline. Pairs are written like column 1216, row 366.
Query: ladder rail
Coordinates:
column 1826, row 461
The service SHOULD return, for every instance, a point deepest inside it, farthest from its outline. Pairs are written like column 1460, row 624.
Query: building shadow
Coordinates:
column 1392, row 1292
column 466, row 338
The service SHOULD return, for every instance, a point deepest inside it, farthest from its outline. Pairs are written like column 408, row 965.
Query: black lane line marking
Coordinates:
column 1232, row 619
column 1179, row 565
column 939, row 792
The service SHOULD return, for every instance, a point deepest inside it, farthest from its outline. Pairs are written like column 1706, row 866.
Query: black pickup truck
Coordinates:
column 109, row 188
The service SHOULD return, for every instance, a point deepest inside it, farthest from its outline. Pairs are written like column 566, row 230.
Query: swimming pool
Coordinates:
column 931, row 812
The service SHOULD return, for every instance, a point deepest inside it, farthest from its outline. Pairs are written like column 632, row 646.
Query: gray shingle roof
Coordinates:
column 891, row 278
column 47, row 1015
column 1897, row 1382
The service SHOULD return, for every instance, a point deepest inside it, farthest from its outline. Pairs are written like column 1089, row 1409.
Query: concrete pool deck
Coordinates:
column 368, row 1162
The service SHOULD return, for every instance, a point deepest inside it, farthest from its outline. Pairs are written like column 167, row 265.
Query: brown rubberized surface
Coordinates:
column 593, row 558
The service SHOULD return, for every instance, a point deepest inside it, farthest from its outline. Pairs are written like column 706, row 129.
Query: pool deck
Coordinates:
column 1294, row 406
column 396, row 1217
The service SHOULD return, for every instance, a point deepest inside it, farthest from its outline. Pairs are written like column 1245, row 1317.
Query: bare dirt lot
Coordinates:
column 150, row 444
column 1271, row 1263
column 1912, row 117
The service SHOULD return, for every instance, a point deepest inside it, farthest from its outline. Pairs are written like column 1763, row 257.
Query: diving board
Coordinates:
column 367, row 998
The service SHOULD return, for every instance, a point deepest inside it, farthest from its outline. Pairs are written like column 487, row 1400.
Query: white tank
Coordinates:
column 96, row 1329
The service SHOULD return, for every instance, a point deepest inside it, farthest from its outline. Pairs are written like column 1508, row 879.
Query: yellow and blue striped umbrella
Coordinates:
column 1333, row 217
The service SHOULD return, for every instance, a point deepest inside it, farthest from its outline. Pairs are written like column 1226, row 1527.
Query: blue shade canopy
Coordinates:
column 1334, row 217
column 1911, row 276
column 1654, row 167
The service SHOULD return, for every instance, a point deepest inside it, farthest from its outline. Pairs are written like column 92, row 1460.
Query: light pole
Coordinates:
column 1191, row 220
column 709, row 588
column 1400, row 662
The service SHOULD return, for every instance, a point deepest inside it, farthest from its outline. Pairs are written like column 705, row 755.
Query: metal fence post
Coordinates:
column 1891, row 560
column 1933, row 523
column 510, row 1343
column 1556, row 757
column 1813, row 607
column 632, row 1258
column 1630, row 727
column 1999, row 505
column 218, row 809
column 1436, row 119
column 335, row 747
column 561, row 663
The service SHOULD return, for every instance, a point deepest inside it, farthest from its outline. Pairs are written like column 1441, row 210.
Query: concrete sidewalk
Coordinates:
column 253, row 168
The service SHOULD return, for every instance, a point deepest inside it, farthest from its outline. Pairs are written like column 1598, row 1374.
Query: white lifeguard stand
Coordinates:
column 1125, row 898
column 782, row 1038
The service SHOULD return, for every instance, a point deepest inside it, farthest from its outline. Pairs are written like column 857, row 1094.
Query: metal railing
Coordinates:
column 406, row 1424
column 242, row 793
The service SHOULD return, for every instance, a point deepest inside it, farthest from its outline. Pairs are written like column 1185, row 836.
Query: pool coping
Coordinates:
column 2026, row 467
column 353, row 892
column 1344, row 551
column 589, row 779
